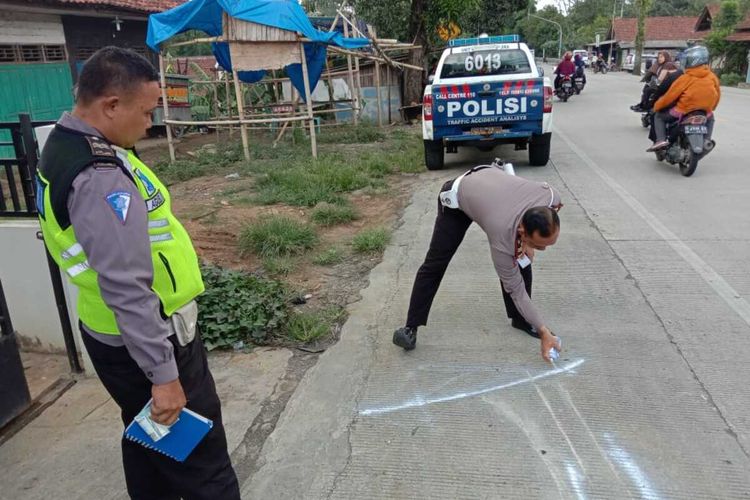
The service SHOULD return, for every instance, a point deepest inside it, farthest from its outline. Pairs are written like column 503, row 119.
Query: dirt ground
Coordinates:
column 214, row 222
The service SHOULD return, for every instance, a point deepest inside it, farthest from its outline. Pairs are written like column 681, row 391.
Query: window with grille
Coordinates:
column 83, row 53
column 18, row 53
column 7, row 54
column 54, row 53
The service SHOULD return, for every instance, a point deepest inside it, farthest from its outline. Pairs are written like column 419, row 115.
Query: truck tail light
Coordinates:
column 548, row 99
column 427, row 107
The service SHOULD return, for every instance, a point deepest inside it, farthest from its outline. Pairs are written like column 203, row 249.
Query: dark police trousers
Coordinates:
column 450, row 228
column 207, row 473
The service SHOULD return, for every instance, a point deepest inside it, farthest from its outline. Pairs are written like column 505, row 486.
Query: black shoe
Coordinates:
column 523, row 325
column 405, row 337
column 637, row 108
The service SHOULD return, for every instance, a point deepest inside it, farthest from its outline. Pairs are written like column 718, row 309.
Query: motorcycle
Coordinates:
column 579, row 81
column 566, row 89
column 689, row 141
column 601, row 67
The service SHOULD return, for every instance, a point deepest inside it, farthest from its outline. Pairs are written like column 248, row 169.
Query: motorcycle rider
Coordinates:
column 652, row 72
column 696, row 90
column 565, row 68
column 601, row 61
column 667, row 76
column 580, row 67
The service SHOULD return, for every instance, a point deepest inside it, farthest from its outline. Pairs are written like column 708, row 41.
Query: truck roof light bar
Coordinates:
column 463, row 42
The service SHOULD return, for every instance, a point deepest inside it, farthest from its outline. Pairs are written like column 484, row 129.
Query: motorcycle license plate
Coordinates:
column 486, row 130
column 566, row 85
column 696, row 129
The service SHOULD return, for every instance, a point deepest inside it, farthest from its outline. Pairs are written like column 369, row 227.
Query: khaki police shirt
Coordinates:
column 497, row 201
column 120, row 252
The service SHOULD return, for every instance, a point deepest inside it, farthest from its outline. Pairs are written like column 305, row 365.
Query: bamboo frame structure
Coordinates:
column 247, row 119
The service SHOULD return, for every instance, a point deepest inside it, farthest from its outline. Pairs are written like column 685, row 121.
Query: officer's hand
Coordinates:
column 548, row 341
column 169, row 400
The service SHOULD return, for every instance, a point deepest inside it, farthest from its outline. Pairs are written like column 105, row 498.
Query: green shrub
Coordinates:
column 238, row 306
column 327, row 214
column 329, row 257
column 274, row 236
column 371, row 240
column 731, row 79
column 309, row 326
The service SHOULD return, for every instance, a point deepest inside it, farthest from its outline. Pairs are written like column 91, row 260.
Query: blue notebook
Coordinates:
column 184, row 435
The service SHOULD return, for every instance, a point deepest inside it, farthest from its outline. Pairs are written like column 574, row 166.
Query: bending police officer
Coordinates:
column 107, row 222
column 518, row 216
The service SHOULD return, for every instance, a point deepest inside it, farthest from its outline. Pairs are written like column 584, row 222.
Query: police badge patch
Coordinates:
column 119, row 202
column 99, row 147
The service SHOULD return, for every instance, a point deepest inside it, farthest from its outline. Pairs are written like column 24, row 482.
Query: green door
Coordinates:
column 43, row 90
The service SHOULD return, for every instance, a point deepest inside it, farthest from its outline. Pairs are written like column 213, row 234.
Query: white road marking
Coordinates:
column 559, row 427
column 635, row 473
column 420, row 401
column 714, row 280
column 576, row 480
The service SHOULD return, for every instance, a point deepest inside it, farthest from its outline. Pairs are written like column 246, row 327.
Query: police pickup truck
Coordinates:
column 487, row 91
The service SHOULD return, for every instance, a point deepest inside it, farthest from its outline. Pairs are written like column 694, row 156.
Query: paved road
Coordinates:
column 648, row 287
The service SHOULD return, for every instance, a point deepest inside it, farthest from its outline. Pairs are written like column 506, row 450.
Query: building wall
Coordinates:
column 27, row 285
column 31, row 29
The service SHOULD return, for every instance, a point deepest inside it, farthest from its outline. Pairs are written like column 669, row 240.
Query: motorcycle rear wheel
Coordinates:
column 687, row 168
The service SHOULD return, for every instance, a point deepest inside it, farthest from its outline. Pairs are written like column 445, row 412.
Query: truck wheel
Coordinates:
column 434, row 155
column 539, row 149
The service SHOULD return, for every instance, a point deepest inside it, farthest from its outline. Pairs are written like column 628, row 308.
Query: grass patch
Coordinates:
column 363, row 133
column 371, row 240
column 308, row 326
column 279, row 266
column 329, row 257
column 205, row 161
column 276, row 236
column 311, row 182
column 327, row 214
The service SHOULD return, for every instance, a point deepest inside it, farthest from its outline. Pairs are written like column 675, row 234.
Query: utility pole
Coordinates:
column 643, row 7
column 559, row 42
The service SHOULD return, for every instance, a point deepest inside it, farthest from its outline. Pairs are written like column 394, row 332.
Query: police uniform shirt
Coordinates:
column 109, row 218
column 497, row 201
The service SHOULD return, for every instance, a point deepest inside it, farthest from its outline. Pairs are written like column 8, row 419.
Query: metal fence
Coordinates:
column 17, row 193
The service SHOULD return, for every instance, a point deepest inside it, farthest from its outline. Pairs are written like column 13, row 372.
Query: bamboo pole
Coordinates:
column 228, row 91
column 359, row 82
column 241, row 110
column 339, row 50
column 377, row 90
column 331, row 99
column 165, row 104
column 352, row 90
column 308, row 100
column 388, row 85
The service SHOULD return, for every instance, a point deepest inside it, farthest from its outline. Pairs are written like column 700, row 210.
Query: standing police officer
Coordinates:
column 108, row 223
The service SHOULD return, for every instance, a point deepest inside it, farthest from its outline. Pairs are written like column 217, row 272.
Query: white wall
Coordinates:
column 32, row 29
column 28, row 289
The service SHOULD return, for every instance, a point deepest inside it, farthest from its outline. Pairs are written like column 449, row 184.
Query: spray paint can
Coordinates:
column 554, row 354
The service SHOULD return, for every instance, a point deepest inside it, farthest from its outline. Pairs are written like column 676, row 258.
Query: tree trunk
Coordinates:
column 413, row 79
column 643, row 7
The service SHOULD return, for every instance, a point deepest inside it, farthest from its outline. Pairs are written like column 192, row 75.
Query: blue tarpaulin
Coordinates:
column 206, row 16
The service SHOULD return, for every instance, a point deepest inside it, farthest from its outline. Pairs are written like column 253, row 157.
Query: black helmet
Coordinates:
column 696, row 56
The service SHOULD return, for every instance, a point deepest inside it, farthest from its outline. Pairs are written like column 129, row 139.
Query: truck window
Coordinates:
column 485, row 63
